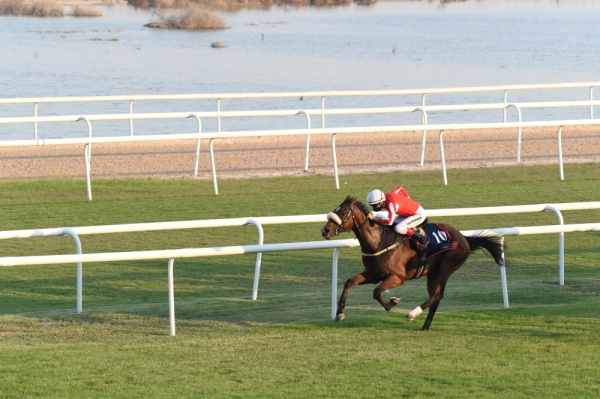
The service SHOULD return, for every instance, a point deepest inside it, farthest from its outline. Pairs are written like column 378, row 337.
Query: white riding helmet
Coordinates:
column 375, row 197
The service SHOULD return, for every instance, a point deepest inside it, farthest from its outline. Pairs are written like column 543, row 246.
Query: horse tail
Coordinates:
column 493, row 243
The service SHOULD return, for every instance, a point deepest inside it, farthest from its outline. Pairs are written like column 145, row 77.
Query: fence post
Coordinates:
column 219, row 116
column 87, row 158
column 591, row 105
column 505, row 101
column 323, row 113
column 561, row 244
column 75, row 237
column 212, row 165
column 261, row 238
column 334, row 277
column 35, row 124
column 561, row 172
column 424, row 136
column 334, row 161
column 519, row 129
column 171, row 296
column 197, row 158
column 503, row 276
column 131, row 119
column 443, row 158
column 301, row 112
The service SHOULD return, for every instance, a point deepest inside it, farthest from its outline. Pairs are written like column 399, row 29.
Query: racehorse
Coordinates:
column 390, row 259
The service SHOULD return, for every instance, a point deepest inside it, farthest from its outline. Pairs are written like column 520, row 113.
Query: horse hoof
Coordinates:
column 414, row 313
column 395, row 300
column 339, row 317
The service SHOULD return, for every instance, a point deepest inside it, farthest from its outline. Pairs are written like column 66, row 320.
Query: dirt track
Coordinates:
column 284, row 156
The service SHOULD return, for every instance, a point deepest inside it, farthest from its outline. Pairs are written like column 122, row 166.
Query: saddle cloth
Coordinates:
column 439, row 239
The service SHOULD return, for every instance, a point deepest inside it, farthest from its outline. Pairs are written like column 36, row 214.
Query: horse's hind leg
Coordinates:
column 433, row 308
column 436, row 293
column 436, row 284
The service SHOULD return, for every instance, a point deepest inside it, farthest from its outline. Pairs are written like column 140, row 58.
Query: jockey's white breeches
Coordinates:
column 402, row 224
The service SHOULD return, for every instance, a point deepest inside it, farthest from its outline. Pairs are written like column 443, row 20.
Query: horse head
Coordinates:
column 342, row 219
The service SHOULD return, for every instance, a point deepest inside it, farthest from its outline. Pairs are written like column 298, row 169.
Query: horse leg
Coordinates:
column 431, row 278
column 433, row 308
column 362, row 278
column 390, row 282
column 434, row 289
column 436, row 284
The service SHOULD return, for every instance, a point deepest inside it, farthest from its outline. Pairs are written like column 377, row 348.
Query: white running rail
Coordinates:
column 171, row 254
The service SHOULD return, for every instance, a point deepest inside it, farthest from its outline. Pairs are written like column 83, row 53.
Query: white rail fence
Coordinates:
column 87, row 142
column 323, row 95
column 425, row 111
column 172, row 254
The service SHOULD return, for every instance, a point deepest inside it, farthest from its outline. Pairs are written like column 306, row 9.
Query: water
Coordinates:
column 390, row 45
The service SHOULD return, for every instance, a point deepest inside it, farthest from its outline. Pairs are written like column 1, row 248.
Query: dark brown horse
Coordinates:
column 390, row 259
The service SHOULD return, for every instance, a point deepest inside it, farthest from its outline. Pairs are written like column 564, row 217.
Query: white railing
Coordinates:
column 323, row 95
column 75, row 232
column 87, row 142
column 172, row 254
column 425, row 110
column 308, row 113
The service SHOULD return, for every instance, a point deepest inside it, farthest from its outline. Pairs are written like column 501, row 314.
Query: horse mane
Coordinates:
column 363, row 208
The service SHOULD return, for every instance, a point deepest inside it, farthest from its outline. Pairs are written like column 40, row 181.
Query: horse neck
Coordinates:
column 369, row 236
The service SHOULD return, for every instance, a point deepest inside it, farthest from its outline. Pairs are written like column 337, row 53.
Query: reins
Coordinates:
column 339, row 222
column 385, row 249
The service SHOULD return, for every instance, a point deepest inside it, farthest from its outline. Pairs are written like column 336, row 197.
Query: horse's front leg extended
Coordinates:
column 390, row 282
column 361, row 278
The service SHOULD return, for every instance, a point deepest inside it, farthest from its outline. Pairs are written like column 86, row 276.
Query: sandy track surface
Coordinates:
column 284, row 156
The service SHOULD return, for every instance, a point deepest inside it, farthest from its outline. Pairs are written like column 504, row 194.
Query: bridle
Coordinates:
column 335, row 218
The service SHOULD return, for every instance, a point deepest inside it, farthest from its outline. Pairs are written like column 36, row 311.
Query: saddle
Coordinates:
column 439, row 240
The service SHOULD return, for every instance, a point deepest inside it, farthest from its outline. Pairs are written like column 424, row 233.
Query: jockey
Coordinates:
column 403, row 212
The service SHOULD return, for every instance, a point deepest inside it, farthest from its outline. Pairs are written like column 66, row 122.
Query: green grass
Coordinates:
column 284, row 344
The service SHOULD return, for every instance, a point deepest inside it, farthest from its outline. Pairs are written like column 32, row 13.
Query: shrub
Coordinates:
column 78, row 11
column 36, row 9
column 159, row 4
column 234, row 5
column 44, row 9
column 193, row 18
column 12, row 7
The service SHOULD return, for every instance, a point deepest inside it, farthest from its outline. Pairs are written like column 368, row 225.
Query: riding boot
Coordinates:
column 421, row 239
column 422, row 243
